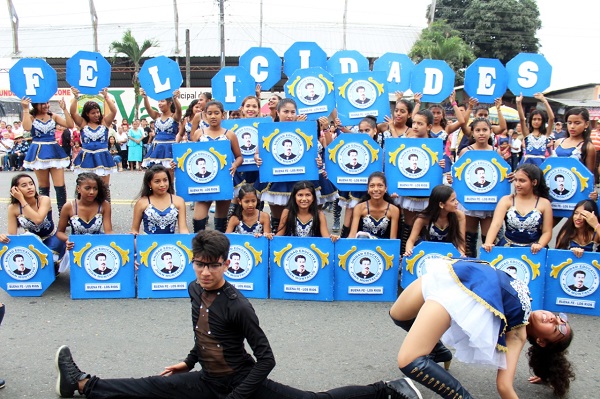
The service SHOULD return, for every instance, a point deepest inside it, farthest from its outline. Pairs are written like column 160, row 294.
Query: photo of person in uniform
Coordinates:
column 247, row 138
column 287, row 150
column 579, row 278
column 101, row 268
column 202, row 172
column 481, row 181
column 167, row 259
column 353, row 164
column 234, row 265
column 362, row 97
column 560, row 185
column 512, row 271
column 414, row 164
column 310, row 92
column 20, row 270
column 300, row 270
column 365, row 264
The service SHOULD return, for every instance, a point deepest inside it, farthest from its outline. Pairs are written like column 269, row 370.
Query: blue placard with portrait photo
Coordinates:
column 288, row 151
column 569, row 182
column 520, row 263
column 572, row 282
column 246, row 131
column 248, row 269
column 164, row 265
column 302, row 268
column 366, row 270
column 312, row 89
column 361, row 94
column 350, row 159
column 102, row 266
column 412, row 165
column 480, row 179
column 26, row 266
column 202, row 172
column 413, row 266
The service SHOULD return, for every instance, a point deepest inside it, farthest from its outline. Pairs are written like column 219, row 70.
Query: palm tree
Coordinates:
column 130, row 47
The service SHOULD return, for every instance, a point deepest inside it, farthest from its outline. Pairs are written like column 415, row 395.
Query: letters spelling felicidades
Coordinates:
column 434, row 79
column 258, row 62
column 394, row 75
column 348, row 65
column 230, row 96
column 304, row 59
column 527, row 74
column 32, row 80
column 486, row 87
column 158, row 86
column 87, row 77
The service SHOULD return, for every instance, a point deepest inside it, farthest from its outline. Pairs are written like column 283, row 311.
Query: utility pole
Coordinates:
column 261, row 24
column 222, row 29
column 188, row 74
column 432, row 12
column 176, row 18
column 14, row 20
column 94, row 17
column 344, row 24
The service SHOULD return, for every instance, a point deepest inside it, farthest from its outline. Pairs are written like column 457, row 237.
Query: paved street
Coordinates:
column 316, row 345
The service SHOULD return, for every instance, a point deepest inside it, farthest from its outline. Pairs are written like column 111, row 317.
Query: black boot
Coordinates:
column 61, row 196
column 471, row 244
column 107, row 187
column 426, row 372
column 44, row 191
column 221, row 224
column 274, row 225
column 199, row 224
column 439, row 353
column 232, row 209
column 2, row 311
column 402, row 389
column 337, row 215
column 406, row 230
column 345, row 231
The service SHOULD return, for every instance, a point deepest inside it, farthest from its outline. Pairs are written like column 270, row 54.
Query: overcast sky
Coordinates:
column 570, row 34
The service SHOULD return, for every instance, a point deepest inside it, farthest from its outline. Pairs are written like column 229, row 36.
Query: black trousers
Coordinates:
column 195, row 385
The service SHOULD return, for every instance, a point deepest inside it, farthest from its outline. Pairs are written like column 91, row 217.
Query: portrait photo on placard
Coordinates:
column 101, row 262
column 300, row 264
column 168, row 261
column 413, row 163
column 562, row 183
column 312, row 90
column 202, row 166
column 248, row 139
column 20, row 263
column 287, row 148
column 481, row 176
column 353, row 158
column 365, row 267
column 362, row 93
column 515, row 268
column 240, row 262
column 579, row 279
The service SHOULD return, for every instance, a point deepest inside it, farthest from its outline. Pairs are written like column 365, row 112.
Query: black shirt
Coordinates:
column 222, row 320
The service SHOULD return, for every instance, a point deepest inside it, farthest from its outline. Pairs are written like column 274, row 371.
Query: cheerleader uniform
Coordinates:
column 302, row 229
column 243, row 228
column 572, row 152
column 522, row 230
column 483, row 303
column 377, row 228
column 591, row 246
column 434, row 234
column 95, row 156
column 46, row 231
column 81, row 226
column 158, row 221
column 535, row 149
column 44, row 152
column 161, row 150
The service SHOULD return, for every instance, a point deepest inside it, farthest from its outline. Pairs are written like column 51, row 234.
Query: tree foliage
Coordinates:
column 129, row 47
column 494, row 28
column 440, row 42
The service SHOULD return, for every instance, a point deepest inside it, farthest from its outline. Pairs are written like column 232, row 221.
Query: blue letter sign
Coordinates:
column 160, row 77
column 263, row 64
column 398, row 68
column 528, row 74
column 486, row 79
column 33, row 78
column 88, row 72
column 302, row 55
column 433, row 78
column 230, row 85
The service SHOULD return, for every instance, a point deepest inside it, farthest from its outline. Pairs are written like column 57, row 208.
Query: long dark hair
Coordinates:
column 441, row 194
column 550, row 363
column 102, row 192
column 292, row 207
column 569, row 232
column 88, row 107
column 544, row 120
column 15, row 182
column 535, row 173
column 190, row 109
column 585, row 114
column 245, row 189
column 386, row 196
column 444, row 121
column 149, row 175
column 476, row 121
column 34, row 110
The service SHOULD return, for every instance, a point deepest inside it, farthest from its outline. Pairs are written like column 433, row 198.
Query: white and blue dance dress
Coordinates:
column 94, row 156
column 535, row 149
column 46, row 231
column 484, row 303
column 522, row 230
column 157, row 221
column 243, row 228
column 434, row 233
column 81, row 226
column 571, row 152
column 378, row 228
column 45, row 152
column 161, row 149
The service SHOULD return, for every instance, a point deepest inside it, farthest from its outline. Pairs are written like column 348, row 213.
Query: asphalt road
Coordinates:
column 317, row 345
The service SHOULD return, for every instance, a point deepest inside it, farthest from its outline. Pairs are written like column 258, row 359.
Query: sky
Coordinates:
column 568, row 36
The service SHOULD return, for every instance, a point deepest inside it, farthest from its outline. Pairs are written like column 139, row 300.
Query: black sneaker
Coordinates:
column 69, row 375
column 2, row 384
column 403, row 388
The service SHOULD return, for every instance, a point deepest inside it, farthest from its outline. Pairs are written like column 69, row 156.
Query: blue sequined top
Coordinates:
column 523, row 230
column 158, row 221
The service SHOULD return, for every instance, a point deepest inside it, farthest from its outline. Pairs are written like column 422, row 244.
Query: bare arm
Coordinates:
column 497, row 221
column 414, row 235
column 524, row 128
column 177, row 114
column 73, row 109
column 462, row 228
column 63, row 222
column 501, row 121
column 356, row 215
column 395, row 220
column 323, row 224
column 67, row 121
column 547, row 224
column 196, row 133
column 181, row 219
column 27, row 118
column 107, row 218
column 109, row 104
column 138, row 209
column 515, row 341
column 233, row 221
column 460, row 118
column 282, row 223
column 151, row 112
column 237, row 153
column 13, row 212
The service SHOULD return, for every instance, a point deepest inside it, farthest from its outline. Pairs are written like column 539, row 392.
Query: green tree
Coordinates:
column 494, row 28
column 134, row 52
column 440, row 42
